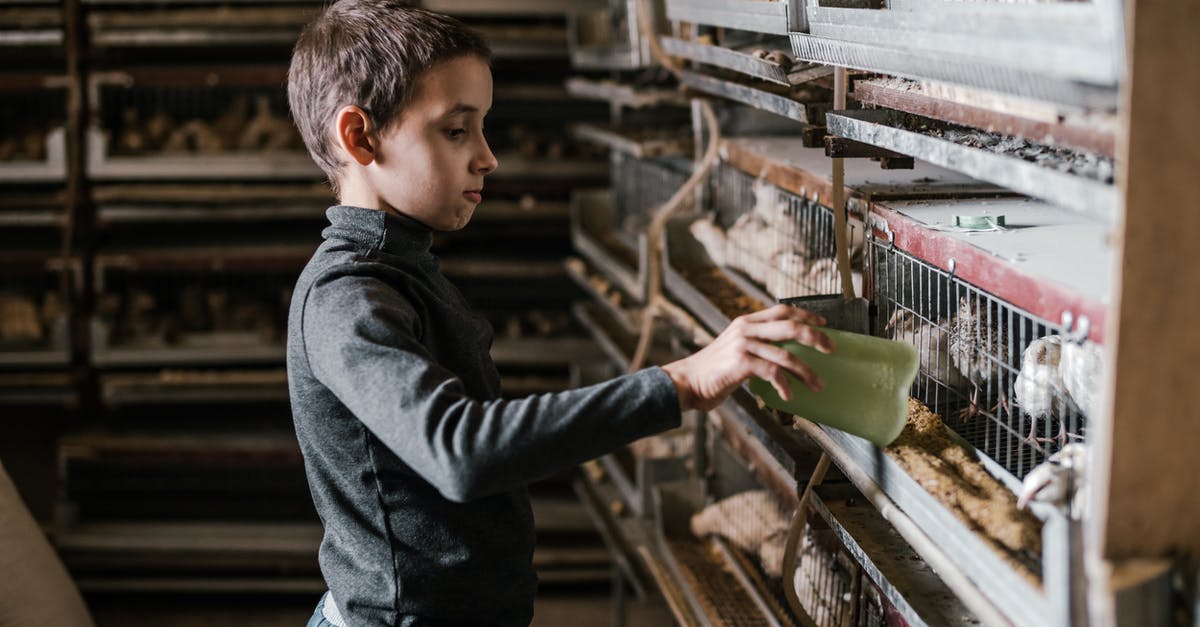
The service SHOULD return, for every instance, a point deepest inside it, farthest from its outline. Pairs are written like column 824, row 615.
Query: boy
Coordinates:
column 417, row 468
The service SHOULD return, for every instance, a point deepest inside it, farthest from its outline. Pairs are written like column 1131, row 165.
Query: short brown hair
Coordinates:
column 367, row 53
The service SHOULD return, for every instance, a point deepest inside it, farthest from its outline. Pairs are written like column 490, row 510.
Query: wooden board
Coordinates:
column 1149, row 504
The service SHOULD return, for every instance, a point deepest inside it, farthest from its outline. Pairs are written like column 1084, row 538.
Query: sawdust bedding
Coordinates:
column 720, row 291
column 952, row 473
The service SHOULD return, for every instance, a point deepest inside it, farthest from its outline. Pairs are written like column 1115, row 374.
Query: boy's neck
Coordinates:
column 356, row 193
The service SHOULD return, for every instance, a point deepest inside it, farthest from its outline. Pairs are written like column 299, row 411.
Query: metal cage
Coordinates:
column 980, row 367
column 194, row 314
column 640, row 187
column 782, row 241
column 34, row 306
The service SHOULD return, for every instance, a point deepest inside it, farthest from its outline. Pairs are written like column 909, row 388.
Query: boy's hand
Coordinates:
column 744, row 349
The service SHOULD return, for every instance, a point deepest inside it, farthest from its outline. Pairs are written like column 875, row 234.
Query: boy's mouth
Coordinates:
column 474, row 195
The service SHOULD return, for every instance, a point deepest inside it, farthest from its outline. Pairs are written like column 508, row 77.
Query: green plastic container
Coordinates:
column 867, row 381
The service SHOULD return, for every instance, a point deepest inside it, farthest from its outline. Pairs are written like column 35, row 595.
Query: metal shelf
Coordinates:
column 1066, row 41
column 537, row 351
column 621, row 533
column 604, row 57
column 623, row 95
column 190, row 387
column 591, row 317
column 770, row 17
column 514, row 166
column 35, row 357
column 912, row 64
column 199, row 26
column 192, row 349
column 986, row 573
column 1092, row 198
column 523, row 41
column 30, row 26
column 38, row 388
column 29, row 38
column 237, row 254
column 583, row 277
column 786, row 163
column 33, row 218
column 641, row 145
column 804, row 112
column 729, row 59
column 591, row 224
column 219, row 166
column 494, row 9
column 51, row 169
column 1039, row 122
column 911, row 587
column 315, row 3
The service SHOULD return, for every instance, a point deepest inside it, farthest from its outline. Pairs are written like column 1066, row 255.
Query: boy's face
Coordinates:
column 430, row 164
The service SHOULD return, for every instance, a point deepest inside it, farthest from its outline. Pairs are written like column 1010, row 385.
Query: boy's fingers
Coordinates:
column 781, row 330
column 782, row 311
column 781, row 357
column 772, row 374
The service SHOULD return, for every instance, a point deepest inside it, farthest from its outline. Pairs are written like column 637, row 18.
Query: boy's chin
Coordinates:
column 457, row 222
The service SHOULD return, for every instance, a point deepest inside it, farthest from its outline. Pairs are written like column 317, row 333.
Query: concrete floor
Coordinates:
column 574, row 609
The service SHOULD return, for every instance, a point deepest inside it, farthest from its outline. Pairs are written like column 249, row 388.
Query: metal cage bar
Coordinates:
column 989, row 368
column 640, row 187
column 780, row 240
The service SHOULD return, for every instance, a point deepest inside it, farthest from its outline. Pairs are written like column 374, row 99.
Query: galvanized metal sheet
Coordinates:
column 756, row 98
column 747, row 64
column 759, row 16
column 1091, row 198
column 982, row 73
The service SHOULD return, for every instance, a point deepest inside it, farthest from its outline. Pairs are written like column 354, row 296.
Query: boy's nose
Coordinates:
column 486, row 162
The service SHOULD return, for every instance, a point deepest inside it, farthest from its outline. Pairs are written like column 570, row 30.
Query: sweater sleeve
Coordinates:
column 361, row 340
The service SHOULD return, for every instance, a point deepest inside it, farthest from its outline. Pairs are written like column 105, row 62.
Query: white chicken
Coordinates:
column 747, row 520
column 933, row 347
column 785, row 276
column 824, row 277
column 977, row 349
column 1082, row 368
column 1039, row 386
column 750, row 243
column 711, row 237
column 1058, row 481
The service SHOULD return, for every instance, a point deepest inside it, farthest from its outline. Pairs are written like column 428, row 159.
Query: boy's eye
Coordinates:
column 455, row 133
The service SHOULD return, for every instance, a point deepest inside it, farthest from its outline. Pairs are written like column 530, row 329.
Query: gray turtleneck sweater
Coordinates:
column 417, row 468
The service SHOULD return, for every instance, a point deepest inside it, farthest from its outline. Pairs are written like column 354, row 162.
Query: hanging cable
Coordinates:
column 841, row 241
column 655, row 301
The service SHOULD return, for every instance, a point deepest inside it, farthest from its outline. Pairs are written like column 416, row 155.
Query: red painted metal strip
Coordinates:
column 1037, row 295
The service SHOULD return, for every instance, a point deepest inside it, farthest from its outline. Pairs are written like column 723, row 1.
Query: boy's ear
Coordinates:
column 354, row 132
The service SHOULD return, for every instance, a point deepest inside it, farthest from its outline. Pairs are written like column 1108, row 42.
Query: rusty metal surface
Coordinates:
column 1064, row 133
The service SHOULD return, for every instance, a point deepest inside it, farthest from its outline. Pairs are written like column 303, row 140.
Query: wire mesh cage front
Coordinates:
column 870, row 610
column 782, row 241
column 994, row 372
column 28, row 120
column 640, row 187
column 195, row 119
column 33, row 310
column 170, row 310
column 825, row 577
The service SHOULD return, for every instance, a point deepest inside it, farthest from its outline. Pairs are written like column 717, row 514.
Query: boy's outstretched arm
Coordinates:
column 746, row 348
column 362, row 342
